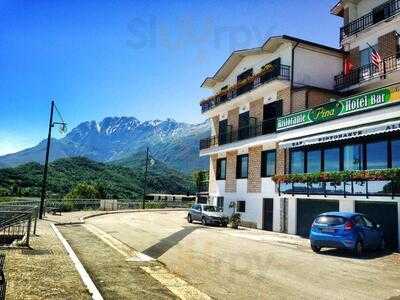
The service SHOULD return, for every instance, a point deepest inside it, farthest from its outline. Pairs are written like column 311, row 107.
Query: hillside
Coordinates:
column 115, row 138
column 116, row 181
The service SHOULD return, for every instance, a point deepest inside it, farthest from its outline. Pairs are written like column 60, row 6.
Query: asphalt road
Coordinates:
column 243, row 264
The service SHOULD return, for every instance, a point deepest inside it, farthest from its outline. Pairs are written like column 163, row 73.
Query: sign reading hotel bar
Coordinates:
column 340, row 108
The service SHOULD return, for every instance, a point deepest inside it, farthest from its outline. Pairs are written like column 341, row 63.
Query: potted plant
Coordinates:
column 235, row 220
column 235, row 217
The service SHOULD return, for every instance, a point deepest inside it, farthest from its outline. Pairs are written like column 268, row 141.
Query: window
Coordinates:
column 209, row 208
column 242, row 166
column 313, row 161
column 241, row 206
column 332, row 160
column 244, row 123
column 377, row 155
column 244, row 75
column 353, row 157
column 271, row 112
column 396, row 153
column 221, row 169
column 223, row 132
column 365, row 55
column 220, row 203
column 268, row 162
column 297, row 161
column 330, row 220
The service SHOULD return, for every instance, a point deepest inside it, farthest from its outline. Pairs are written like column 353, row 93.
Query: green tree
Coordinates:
column 83, row 190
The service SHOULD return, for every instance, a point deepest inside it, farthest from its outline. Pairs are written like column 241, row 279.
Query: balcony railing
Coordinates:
column 243, row 133
column 367, row 72
column 379, row 13
column 366, row 188
column 281, row 72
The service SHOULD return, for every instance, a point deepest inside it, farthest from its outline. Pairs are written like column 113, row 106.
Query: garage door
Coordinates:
column 308, row 210
column 384, row 213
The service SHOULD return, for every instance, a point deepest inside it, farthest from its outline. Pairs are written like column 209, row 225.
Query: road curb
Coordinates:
column 78, row 265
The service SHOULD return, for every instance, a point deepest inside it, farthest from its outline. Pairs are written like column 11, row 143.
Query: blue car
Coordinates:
column 346, row 230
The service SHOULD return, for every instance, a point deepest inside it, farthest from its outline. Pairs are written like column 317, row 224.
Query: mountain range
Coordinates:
column 113, row 180
column 117, row 138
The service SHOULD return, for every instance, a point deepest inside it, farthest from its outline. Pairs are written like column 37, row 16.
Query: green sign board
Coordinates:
column 343, row 107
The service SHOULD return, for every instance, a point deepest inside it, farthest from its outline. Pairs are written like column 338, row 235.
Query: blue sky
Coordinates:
column 129, row 58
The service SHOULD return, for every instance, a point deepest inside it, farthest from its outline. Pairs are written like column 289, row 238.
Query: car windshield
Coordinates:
column 330, row 220
column 209, row 208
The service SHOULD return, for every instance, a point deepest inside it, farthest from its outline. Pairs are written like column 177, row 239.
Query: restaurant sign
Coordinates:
column 339, row 108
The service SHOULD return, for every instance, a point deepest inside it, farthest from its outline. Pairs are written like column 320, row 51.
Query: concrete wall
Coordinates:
column 316, row 68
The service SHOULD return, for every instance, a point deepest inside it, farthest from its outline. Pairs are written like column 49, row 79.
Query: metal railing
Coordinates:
column 282, row 72
column 243, row 133
column 379, row 13
column 367, row 188
column 368, row 72
column 16, row 221
column 68, row 205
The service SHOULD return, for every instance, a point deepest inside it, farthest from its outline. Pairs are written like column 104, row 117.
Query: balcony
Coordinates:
column 379, row 13
column 280, row 72
column 244, row 133
column 367, row 72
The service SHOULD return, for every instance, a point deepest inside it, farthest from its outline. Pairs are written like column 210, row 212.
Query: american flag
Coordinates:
column 376, row 59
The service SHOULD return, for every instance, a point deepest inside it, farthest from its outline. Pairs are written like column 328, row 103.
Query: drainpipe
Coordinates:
column 291, row 78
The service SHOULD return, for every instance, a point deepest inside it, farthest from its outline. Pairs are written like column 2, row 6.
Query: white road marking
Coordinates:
column 78, row 265
column 176, row 285
column 129, row 253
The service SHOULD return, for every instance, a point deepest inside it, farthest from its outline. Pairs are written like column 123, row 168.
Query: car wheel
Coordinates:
column 203, row 221
column 316, row 249
column 189, row 218
column 358, row 248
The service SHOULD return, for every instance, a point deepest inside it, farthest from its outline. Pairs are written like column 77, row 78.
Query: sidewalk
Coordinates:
column 43, row 272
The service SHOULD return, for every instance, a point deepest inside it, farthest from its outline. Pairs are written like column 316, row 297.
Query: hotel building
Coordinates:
column 299, row 128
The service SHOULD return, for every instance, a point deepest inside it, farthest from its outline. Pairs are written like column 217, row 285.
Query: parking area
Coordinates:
column 227, row 263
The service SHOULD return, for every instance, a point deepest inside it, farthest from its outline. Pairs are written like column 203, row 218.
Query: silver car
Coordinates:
column 207, row 214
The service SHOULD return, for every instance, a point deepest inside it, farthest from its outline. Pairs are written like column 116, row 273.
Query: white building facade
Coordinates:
column 295, row 107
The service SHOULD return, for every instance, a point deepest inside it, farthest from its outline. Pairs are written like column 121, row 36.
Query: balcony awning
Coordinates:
column 343, row 134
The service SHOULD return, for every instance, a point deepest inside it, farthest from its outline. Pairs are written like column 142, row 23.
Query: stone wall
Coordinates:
column 230, row 183
column 254, row 175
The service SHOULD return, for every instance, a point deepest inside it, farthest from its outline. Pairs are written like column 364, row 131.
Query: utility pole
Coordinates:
column 46, row 164
column 145, row 178
column 46, row 161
